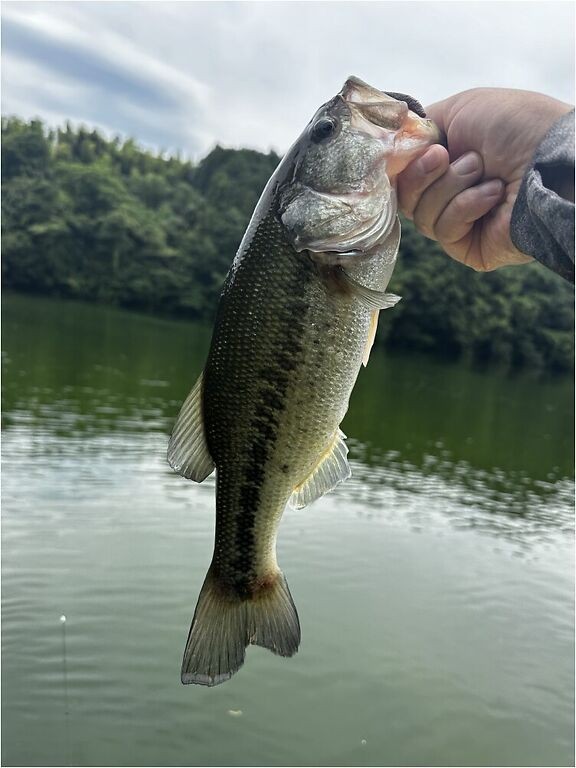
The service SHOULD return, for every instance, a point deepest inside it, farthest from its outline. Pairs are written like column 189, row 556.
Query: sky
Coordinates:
column 184, row 76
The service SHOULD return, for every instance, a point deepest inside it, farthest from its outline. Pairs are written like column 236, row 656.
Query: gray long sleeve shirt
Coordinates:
column 542, row 222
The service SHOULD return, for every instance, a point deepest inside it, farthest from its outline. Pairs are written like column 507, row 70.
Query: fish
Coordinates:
column 295, row 322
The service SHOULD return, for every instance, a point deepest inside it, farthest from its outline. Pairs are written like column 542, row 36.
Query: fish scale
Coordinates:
column 286, row 370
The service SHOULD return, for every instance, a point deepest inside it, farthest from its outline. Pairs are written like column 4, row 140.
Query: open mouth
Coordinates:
column 373, row 112
column 377, row 114
column 357, row 91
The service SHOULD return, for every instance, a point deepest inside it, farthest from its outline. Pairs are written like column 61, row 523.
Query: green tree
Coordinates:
column 104, row 220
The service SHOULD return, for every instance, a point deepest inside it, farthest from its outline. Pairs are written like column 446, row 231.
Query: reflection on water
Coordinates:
column 500, row 447
column 503, row 504
column 434, row 587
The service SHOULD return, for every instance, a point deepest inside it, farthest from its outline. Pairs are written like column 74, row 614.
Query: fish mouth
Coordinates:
column 356, row 91
column 371, row 109
column 403, row 132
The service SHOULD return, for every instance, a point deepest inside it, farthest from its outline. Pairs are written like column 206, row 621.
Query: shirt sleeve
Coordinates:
column 542, row 222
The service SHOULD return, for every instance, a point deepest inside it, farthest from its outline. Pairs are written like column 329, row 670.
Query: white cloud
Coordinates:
column 86, row 34
column 252, row 73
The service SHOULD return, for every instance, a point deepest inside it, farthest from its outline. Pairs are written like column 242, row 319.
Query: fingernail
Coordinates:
column 492, row 188
column 430, row 161
column 466, row 164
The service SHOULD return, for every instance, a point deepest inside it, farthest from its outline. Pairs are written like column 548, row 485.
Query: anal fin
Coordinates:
column 188, row 451
column 332, row 468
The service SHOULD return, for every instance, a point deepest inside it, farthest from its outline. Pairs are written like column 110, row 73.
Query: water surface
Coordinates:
column 434, row 588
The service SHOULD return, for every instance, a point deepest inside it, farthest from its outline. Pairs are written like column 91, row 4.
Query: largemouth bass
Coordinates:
column 296, row 319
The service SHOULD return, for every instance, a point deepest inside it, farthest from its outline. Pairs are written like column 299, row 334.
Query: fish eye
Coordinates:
column 323, row 129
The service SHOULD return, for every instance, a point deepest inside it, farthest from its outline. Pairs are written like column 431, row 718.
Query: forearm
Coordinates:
column 542, row 222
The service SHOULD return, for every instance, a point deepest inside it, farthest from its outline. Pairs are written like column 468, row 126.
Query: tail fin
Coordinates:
column 223, row 625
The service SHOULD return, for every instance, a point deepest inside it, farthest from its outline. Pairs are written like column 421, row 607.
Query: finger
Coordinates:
column 487, row 245
column 459, row 216
column 445, row 111
column 462, row 173
column 438, row 113
column 418, row 176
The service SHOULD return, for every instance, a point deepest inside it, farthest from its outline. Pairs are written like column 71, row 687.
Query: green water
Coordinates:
column 434, row 588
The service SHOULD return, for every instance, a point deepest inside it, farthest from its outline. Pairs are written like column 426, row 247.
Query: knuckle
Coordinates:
column 450, row 232
column 458, row 209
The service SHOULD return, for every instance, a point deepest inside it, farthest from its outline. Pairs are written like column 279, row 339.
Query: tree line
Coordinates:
column 104, row 220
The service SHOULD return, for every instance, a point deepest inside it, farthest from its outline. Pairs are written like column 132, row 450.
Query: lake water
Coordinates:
column 434, row 587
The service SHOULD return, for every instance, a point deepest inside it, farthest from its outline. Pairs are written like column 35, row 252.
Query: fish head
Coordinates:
column 340, row 196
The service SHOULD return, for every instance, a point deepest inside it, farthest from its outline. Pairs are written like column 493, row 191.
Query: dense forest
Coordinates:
column 103, row 220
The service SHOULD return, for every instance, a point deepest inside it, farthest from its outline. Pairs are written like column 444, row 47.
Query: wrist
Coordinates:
column 542, row 222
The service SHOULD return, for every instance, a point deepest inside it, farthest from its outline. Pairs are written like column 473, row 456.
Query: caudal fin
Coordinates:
column 223, row 625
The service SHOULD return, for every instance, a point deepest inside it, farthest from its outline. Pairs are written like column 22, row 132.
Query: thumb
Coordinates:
column 439, row 113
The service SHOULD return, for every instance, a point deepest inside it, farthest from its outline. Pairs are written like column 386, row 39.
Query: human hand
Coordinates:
column 463, row 196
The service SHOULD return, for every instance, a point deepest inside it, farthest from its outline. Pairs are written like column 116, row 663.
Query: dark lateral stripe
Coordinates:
column 271, row 397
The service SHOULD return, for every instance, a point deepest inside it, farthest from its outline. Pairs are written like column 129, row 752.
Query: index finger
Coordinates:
column 419, row 175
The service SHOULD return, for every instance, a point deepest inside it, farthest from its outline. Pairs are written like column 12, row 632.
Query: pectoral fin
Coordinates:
column 188, row 451
column 332, row 468
column 370, row 298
